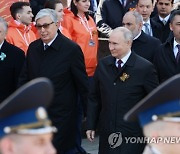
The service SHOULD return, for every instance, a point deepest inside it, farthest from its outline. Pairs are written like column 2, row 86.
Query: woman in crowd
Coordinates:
column 83, row 31
column 58, row 7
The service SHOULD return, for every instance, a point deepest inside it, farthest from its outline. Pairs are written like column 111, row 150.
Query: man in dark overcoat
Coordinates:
column 11, row 62
column 167, row 59
column 120, row 81
column 143, row 44
column 56, row 57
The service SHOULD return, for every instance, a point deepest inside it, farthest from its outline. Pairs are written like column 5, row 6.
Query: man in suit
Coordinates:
column 120, row 81
column 142, row 43
column 150, row 27
column 24, row 124
column 11, row 62
column 159, row 116
column 164, row 8
column 61, row 60
column 167, row 59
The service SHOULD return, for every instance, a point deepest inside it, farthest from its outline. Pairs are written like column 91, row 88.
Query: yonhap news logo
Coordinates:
column 115, row 140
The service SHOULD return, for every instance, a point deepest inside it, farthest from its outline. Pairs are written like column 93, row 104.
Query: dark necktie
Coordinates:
column 122, row 2
column 178, row 54
column 119, row 64
column 46, row 46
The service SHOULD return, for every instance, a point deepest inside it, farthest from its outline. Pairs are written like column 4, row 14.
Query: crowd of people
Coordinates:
column 103, row 58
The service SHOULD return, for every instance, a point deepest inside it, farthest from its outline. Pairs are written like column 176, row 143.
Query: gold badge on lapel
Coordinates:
column 124, row 77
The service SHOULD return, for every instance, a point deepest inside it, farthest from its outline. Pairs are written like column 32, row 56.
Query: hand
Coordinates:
column 90, row 135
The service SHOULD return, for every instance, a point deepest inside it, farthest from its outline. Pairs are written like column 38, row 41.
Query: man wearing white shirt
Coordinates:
column 142, row 43
column 145, row 8
column 166, row 60
column 116, row 89
column 164, row 8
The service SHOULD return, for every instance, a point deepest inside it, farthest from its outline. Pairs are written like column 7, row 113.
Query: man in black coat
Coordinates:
column 144, row 45
column 120, row 81
column 166, row 61
column 11, row 62
column 56, row 57
column 164, row 8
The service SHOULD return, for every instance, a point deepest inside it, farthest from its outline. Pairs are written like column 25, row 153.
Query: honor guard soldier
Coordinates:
column 24, row 125
column 159, row 115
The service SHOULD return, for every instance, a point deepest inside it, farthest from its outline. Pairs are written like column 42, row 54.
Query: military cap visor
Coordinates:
column 162, row 103
column 23, row 112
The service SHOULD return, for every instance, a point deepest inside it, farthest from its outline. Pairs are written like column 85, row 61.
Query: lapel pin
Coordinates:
column 2, row 56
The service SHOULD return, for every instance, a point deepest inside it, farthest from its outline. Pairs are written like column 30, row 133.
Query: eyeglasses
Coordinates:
column 45, row 26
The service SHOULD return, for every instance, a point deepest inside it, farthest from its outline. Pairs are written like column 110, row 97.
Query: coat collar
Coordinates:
column 4, row 46
column 142, row 37
column 55, row 44
column 130, row 62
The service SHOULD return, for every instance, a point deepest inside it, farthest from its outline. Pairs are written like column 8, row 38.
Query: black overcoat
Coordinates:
column 165, row 61
column 63, row 64
column 10, row 68
column 146, row 46
column 164, row 28
column 110, row 98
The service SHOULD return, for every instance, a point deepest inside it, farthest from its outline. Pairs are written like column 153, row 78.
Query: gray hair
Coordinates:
column 47, row 12
column 128, row 36
column 137, row 15
column 5, row 25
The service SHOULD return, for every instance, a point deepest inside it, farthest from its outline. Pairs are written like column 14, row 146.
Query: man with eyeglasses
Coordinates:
column 159, row 115
column 56, row 57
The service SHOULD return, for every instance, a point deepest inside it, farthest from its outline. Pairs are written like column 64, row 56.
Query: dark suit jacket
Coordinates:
column 165, row 61
column 10, row 69
column 37, row 5
column 92, row 12
column 63, row 64
column 165, row 28
column 156, row 29
column 110, row 98
column 146, row 46
column 91, row 6
column 112, row 13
